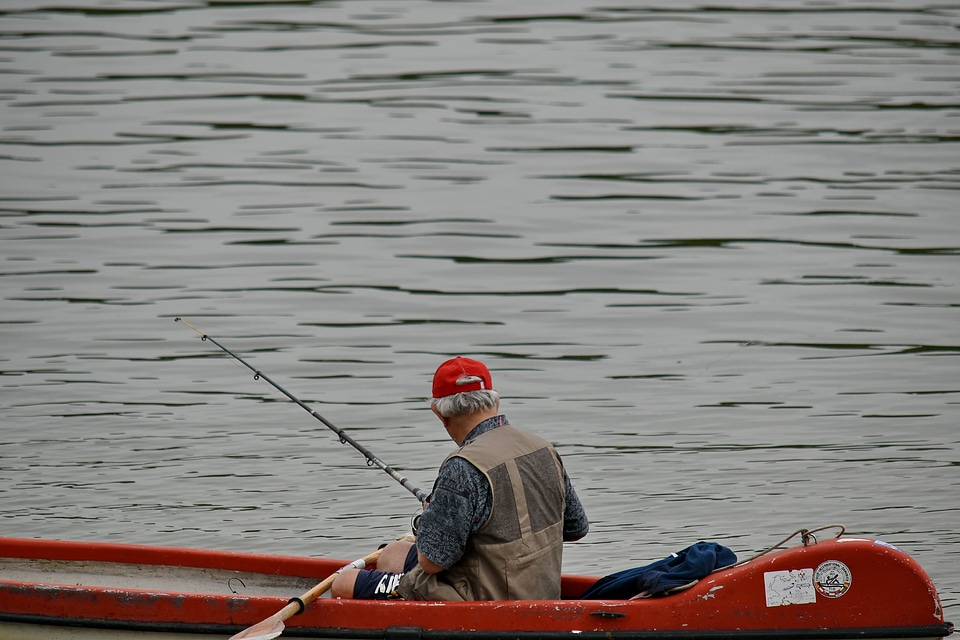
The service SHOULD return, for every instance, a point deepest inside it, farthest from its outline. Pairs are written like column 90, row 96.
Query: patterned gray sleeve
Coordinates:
column 575, row 522
column 459, row 505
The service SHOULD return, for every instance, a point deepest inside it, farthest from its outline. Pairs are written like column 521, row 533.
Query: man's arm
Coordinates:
column 428, row 565
column 459, row 505
column 575, row 522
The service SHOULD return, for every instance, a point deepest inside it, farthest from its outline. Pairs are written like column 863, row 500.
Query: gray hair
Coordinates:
column 465, row 403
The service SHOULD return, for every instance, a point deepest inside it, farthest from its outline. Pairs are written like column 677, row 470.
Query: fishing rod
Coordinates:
column 372, row 460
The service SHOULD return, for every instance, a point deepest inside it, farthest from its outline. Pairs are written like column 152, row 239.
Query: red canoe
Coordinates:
column 840, row 588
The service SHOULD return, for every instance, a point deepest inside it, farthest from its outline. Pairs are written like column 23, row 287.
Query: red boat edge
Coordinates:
column 840, row 588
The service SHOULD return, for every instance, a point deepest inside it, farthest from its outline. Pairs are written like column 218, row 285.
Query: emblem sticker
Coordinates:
column 832, row 579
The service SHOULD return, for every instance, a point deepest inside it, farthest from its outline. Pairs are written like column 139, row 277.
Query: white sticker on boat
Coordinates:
column 832, row 579
column 789, row 587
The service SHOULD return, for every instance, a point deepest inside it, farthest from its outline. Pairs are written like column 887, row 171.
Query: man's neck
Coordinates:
column 459, row 427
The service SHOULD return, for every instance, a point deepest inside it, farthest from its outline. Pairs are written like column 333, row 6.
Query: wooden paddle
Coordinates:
column 273, row 626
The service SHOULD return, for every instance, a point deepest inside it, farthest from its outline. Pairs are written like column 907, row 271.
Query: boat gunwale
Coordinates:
column 127, row 553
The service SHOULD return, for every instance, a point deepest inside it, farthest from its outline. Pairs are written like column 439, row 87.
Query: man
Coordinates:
column 501, row 508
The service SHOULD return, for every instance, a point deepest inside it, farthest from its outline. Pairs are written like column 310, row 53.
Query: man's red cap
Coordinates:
column 460, row 374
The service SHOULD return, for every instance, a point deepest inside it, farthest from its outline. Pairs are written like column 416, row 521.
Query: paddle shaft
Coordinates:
column 298, row 604
column 273, row 626
column 344, row 438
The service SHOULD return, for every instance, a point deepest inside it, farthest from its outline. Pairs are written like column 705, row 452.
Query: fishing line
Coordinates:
column 372, row 460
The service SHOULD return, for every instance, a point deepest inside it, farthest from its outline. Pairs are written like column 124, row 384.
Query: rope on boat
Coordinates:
column 807, row 537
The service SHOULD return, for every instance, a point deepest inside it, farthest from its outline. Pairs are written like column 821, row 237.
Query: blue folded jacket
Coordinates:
column 693, row 563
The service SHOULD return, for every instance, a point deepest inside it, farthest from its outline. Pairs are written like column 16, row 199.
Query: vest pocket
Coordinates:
column 535, row 576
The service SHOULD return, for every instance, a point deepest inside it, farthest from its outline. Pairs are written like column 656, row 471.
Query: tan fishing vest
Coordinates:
column 516, row 554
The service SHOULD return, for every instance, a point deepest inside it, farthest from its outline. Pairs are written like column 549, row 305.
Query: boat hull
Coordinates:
column 844, row 588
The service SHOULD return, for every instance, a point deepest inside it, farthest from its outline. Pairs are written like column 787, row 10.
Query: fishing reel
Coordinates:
column 415, row 521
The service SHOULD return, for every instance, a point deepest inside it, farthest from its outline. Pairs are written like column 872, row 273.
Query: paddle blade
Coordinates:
column 263, row 630
column 273, row 626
